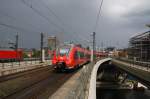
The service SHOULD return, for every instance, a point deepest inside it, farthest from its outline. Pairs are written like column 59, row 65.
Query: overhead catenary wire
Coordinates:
column 95, row 29
column 22, row 29
column 44, row 16
column 98, row 16
column 96, row 24
column 40, row 14
column 53, row 12
column 14, row 27
column 59, row 19
column 16, row 20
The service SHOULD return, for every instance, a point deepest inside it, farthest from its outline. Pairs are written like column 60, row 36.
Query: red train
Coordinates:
column 70, row 57
column 11, row 55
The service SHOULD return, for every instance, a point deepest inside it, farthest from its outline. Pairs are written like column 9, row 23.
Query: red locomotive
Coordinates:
column 11, row 55
column 70, row 57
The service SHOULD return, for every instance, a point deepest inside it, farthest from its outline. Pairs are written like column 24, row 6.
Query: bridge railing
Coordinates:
column 92, row 84
column 20, row 63
column 81, row 89
column 139, row 63
column 12, row 67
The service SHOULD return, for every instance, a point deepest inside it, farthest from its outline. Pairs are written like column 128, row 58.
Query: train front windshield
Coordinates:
column 63, row 51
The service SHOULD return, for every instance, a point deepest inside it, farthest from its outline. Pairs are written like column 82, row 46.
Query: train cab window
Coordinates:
column 64, row 51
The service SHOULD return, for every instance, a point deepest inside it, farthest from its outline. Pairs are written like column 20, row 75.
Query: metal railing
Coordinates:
column 20, row 63
column 136, row 64
column 12, row 67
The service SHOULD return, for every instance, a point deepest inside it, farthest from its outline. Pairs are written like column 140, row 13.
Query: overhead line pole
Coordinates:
column 17, row 39
column 55, row 42
column 93, row 47
column 98, row 15
column 42, row 48
column 16, row 45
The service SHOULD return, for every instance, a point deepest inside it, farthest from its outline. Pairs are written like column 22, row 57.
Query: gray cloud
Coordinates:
column 73, row 20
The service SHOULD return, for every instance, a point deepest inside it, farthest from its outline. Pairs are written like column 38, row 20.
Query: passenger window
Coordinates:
column 76, row 55
column 79, row 55
column 82, row 55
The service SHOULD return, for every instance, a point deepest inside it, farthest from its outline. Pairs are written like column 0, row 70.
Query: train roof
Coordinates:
column 72, row 45
column 7, row 49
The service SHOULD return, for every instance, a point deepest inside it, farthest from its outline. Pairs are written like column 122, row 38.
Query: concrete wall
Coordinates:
column 79, row 85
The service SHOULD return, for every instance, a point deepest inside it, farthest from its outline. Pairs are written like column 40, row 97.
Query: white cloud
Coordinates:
column 117, row 8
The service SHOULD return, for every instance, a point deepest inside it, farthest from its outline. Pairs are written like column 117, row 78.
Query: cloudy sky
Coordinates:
column 73, row 20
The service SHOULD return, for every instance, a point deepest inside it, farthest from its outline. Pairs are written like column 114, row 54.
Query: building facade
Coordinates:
column 52, row 42
column 139, row 47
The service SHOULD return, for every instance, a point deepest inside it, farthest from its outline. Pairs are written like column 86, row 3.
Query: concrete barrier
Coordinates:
column 77, row 87
column 13, row 67
column 92, row 88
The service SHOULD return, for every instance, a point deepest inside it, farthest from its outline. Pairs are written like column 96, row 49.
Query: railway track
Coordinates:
column 34, row 84
column 19, row 74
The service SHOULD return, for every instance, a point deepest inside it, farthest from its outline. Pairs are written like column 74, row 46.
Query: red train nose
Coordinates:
column 62, row 58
